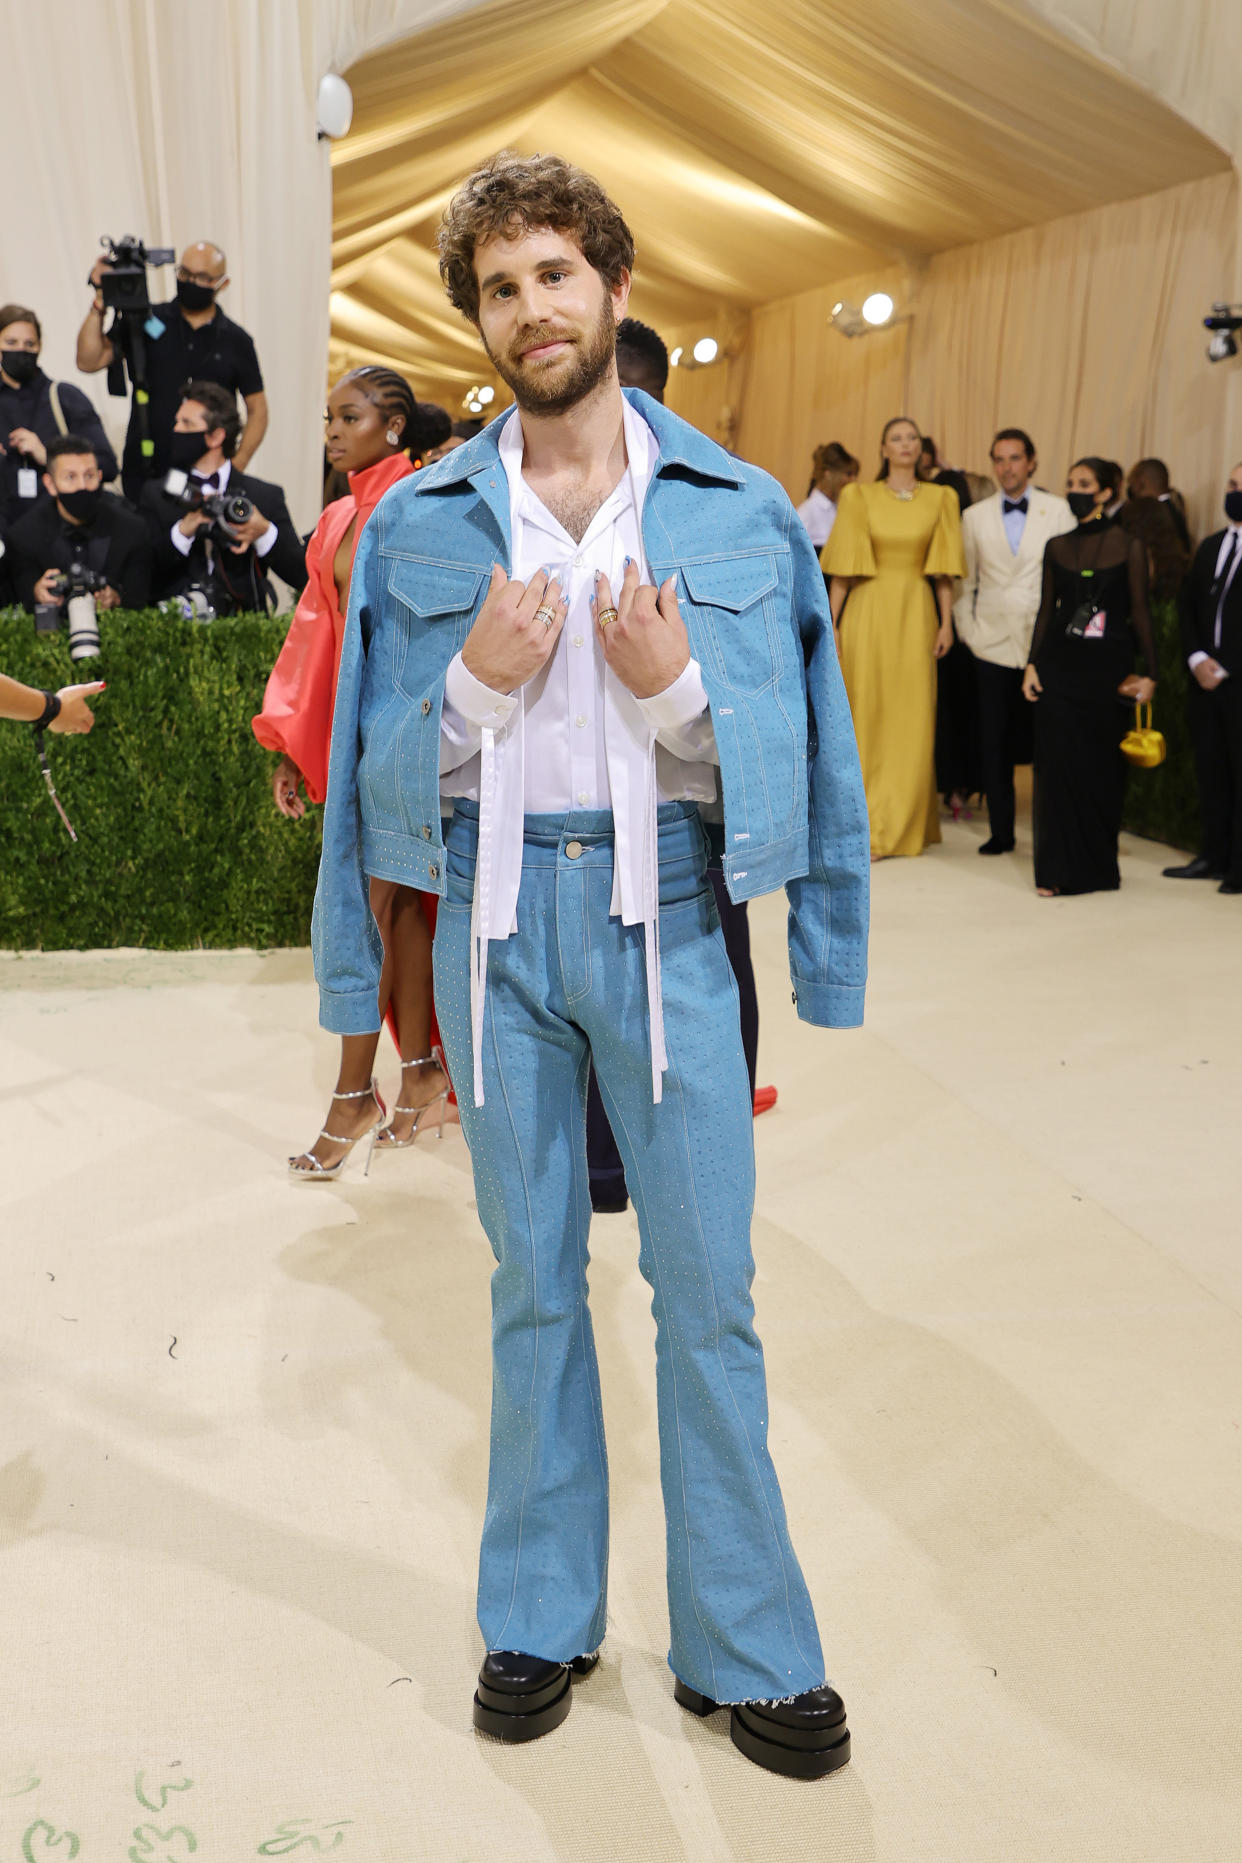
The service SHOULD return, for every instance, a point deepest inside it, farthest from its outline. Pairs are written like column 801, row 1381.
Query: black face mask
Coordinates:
column 186, row 449
column 1082, row 504
column 19, row 365
column 1233, row 506
column 82, row 506
column 192, row 297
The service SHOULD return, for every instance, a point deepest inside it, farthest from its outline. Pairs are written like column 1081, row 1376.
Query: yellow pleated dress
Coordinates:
column 888, row 631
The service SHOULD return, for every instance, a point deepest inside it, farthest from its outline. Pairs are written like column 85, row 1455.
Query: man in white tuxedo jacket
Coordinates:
column 995, row 612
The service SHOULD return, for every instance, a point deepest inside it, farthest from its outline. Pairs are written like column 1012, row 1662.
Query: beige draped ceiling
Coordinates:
column 760, row 148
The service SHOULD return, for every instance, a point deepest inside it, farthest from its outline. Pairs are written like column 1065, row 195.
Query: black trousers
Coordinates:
column 604, row 1166
column 1216, row 733
column 1004, row 739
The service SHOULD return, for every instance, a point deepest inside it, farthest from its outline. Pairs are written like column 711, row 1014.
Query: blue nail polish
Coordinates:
column 627, row 562
column 592, row 601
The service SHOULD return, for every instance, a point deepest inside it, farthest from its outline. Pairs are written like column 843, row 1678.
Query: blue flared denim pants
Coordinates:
column 567, row 988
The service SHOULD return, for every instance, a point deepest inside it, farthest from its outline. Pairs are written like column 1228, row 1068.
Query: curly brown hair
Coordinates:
column 514, row 193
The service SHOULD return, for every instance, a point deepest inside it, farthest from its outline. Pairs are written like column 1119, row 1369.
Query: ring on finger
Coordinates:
column 545, row 613
column 607, row 616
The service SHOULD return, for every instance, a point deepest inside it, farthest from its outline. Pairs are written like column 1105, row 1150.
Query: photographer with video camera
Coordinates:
column 80, row 542
column 34, row 411
column 164, row 346
column 214, row 530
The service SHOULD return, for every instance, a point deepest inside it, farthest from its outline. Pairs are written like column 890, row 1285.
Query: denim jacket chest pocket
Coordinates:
column 739, row 637
column 426, row 617
column 433, row 606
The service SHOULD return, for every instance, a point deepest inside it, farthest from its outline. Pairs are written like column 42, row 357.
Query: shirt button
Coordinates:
column 577, row 562
column 426, row 707
column 577, row 640
column 426, row 831
column 434, row 872
column 580, row 721
column 573, row 849
column 584, row 796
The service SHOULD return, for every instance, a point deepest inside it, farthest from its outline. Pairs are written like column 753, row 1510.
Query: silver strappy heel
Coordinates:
column 385, row 1139
column 307, row 1167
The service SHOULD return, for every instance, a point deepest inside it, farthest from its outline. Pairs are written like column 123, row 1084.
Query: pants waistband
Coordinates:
column 677, row 824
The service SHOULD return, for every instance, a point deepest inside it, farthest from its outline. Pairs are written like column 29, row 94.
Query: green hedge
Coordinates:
column 180, row 845
column 179, row 842
column 1164, row 803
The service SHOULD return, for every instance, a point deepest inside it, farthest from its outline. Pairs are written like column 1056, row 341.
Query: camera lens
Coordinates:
column 83, row 627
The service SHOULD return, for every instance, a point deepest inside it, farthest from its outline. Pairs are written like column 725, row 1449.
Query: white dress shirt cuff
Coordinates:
column 680, row 717
column 179, row 539
column 266, row 541
column 474, row 702
column 1197, row 659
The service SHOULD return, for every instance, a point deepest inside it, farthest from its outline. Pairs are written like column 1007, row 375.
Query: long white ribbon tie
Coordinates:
column 481, row 908
column 651, row 934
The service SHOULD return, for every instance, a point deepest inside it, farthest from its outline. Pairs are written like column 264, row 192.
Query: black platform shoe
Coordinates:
column 804, row 1738
column 522, row 1697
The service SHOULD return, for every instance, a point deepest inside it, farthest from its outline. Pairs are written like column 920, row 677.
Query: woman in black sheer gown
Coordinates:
column 1093, row 607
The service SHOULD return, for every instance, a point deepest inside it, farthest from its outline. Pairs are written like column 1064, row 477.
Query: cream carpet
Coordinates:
column 1000, row 1280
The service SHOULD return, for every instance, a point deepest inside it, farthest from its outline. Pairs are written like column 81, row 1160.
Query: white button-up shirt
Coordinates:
column 818, row 514
column 574, row 737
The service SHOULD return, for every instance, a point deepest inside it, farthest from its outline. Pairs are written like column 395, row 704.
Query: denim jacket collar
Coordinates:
column 682, row 449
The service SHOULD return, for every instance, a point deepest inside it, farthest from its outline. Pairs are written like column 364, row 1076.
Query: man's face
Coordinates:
column 547, row 319
column 192, row 418
column 73, row 472
column 1142, row 485
column 1235, row 480
column 1012, row 467
column 203, row 264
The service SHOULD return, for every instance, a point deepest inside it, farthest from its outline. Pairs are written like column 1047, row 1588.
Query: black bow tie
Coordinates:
column 212, row 479
column 1019, row 505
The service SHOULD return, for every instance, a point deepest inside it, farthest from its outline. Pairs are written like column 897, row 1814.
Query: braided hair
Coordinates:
column 392, row 395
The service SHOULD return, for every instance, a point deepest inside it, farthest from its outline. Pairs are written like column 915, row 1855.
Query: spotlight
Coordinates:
column 486, row 395
column 878, row 313
column 878, row 308
column 675, row 358
column 706, row 350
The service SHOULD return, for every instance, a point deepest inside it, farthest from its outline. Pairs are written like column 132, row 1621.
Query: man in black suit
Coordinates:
column 230, row 562
column 83, row 523
column 1211, row 618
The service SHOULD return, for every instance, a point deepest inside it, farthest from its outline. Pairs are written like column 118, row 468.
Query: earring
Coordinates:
column 393, row 439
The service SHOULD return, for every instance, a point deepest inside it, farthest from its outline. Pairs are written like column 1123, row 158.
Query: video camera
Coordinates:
column 77, row 588
column 124, row 287
column 1223, row 321
column 225, row 509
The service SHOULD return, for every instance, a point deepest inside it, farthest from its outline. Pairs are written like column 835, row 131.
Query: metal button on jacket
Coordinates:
column 426, row 707
column 573, row 849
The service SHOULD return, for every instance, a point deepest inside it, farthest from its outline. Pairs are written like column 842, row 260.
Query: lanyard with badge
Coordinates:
column 1089, row 619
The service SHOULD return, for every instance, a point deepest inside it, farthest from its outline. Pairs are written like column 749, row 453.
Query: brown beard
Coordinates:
column 590, row 364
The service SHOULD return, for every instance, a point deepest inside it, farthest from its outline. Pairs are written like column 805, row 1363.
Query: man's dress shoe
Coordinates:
column 1230, row 886
column 804, row 1738
column 1196, row 869
column 521, row 1697
column 993, row 846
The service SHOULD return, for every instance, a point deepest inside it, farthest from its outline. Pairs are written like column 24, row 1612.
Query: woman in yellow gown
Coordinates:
column 889, row 538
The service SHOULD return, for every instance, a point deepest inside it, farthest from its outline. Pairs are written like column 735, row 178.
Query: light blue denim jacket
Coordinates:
column 753, row 600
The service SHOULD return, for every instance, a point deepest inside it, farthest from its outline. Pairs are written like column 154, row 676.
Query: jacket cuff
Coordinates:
column 474, row 701
column 349, row 1012
column 829, row 1005
column 679, row 704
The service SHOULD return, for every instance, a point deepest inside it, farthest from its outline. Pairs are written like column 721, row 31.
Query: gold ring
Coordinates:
column 545, row 614
column 607, row 616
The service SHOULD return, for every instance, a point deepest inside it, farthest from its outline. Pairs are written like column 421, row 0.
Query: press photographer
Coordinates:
column 203, row 539
column 168, row 345
column 34, row 411
column 80, row 528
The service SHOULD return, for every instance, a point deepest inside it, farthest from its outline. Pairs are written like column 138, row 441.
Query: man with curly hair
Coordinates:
column 602, row 644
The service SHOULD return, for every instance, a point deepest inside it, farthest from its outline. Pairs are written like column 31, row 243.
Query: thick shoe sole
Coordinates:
column 528, row 1717
column 812, row 1754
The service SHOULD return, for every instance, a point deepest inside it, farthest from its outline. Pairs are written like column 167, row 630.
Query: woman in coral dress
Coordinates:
column 888, row 540
column 372, row 419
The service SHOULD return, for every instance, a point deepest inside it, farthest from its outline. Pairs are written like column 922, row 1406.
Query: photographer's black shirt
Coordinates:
column 116, row 544
column 218, row 351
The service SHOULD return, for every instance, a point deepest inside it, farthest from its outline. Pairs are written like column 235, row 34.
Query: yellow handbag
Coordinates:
column 1142, row 745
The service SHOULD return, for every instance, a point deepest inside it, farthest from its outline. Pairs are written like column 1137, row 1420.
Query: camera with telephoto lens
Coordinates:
column 124, row 287
column 227, row 510
column 77, row 588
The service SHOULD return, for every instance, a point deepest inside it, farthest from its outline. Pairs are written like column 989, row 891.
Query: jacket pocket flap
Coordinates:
column 730, row 582
column 434, row 588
